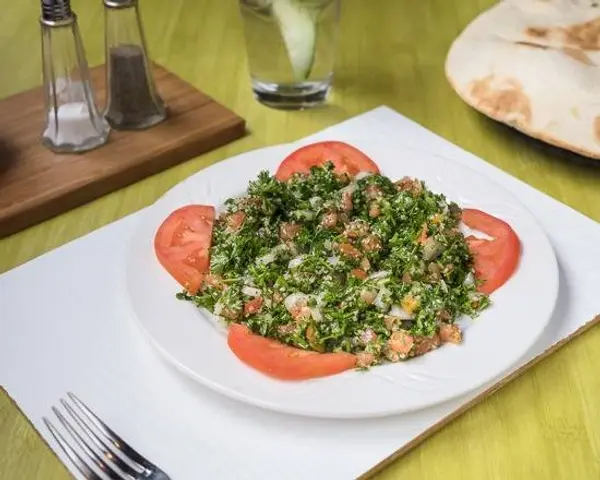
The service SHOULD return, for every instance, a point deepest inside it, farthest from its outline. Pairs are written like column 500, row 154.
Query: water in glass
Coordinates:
column 291, row 49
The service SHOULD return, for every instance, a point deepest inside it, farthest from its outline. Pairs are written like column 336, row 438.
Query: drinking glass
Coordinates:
column 291, row 47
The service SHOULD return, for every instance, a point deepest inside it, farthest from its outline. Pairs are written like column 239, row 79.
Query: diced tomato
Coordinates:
column 344, row 157
column 282, row 361
column 235, row 220
column 231, row 313
column 450, row 333
column 374, row 210
column 349, row 251
column 358, row 273
column 401, row 342
column 412, row 185
column 253, row 306
column 364, row 359
column 182, row 244
column 495, row 260
column 424, row 345
column 422, row 238
column 347, row 203
column 365, row 265
column 373, row 192
column 288, row 230
column 329, row 220
column 371, row 243
column 368, row 296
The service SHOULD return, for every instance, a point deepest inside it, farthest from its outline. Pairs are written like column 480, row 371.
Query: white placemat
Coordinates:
column 65, row 325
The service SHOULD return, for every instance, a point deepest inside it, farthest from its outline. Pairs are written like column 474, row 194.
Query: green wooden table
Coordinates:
column 546, row 424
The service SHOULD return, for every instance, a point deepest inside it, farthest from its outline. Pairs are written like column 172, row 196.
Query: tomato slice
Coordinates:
column 182, row 244
column 282, row 361
column 344, row 157
column 494, row 260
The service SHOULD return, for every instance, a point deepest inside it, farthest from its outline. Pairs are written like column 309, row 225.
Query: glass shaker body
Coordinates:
column 73, row 122
column 132, row 100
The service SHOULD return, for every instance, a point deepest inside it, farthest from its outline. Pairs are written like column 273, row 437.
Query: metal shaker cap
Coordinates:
column 56, row 10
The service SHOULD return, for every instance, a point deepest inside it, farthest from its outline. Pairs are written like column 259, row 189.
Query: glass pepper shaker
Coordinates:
column 73, row 122
column 132, row 100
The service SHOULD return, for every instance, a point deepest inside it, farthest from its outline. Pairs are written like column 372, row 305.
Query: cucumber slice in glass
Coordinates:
column 299, row 31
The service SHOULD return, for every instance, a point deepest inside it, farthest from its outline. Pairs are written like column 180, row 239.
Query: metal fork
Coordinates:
column 100, row 445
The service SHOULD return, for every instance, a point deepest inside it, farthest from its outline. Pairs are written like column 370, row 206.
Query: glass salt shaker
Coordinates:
column 73, row 122
column 132, row 100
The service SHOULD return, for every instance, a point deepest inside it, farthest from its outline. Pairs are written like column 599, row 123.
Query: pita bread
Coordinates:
column 534, row 65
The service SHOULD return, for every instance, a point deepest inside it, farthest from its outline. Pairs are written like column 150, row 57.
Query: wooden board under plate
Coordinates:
column 36, row 184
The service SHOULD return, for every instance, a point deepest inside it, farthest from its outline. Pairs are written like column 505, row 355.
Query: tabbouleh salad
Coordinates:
column 330, row 263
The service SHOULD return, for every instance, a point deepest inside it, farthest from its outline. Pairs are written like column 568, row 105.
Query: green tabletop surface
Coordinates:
column 545, row 424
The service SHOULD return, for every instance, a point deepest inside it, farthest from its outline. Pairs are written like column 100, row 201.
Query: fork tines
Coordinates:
column 96, row 450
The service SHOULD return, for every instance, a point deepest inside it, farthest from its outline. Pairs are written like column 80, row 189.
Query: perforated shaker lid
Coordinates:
column 56, row 10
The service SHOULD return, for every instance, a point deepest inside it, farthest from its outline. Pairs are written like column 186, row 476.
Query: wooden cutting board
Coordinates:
column 36, row 184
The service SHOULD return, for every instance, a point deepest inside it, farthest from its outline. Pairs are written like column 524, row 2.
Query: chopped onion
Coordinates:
column 349, row 188
column 315, row 202
column 379, row 275
column 361, row 175
column 316, row 314
column 268, row 258
column 466, row 231
column 251, row 291
column 470, row 279
column 295, row 299
column 294, row 262
column 379, row 302
column 218, row 308
column 320, row 299
column 474, row 296
column 333, row 260
column 368, row 336
column 398, row 311
column 272, row 255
